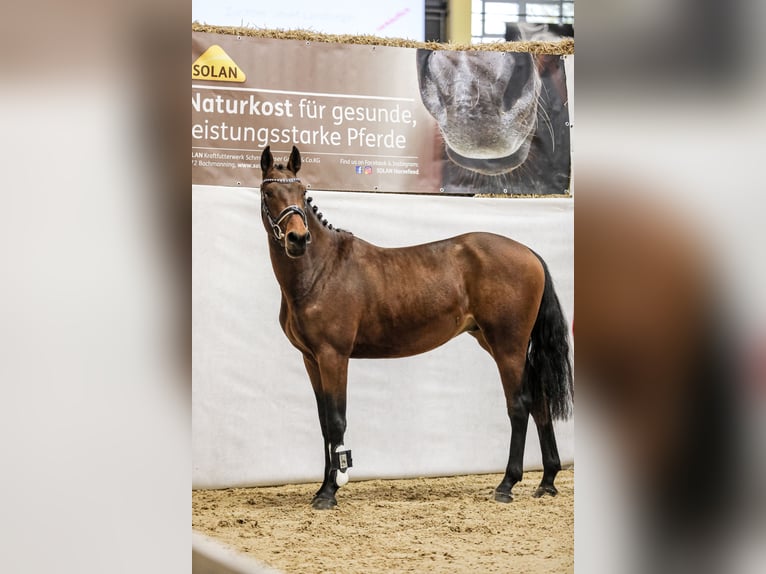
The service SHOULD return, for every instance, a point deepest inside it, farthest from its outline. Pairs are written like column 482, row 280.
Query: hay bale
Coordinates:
column 562, row 47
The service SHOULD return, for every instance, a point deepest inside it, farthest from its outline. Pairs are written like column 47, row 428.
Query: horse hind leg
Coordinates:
column 551, row 462
column 519, row 414
column 511, row 367
column 517, row 403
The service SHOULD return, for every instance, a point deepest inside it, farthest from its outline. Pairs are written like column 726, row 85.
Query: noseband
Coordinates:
column 285, row 213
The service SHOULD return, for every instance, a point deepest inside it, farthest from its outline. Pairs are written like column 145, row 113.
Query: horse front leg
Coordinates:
column 312, row 368
column 331, row 369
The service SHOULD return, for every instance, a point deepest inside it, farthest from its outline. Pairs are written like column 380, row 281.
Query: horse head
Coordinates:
column 282, row 199
column 485, row 104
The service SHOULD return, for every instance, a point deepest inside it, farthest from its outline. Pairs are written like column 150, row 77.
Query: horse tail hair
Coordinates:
column 548, row 371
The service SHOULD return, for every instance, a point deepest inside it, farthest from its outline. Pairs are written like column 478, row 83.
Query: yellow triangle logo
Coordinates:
column 215, row 65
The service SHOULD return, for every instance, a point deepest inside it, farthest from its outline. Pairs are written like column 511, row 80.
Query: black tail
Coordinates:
column 548, row 371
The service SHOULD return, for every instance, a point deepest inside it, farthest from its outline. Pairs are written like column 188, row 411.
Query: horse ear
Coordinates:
column 267, row 160
column 294, row 163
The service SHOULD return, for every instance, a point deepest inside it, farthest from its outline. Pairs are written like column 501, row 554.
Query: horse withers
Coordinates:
column 344, row 298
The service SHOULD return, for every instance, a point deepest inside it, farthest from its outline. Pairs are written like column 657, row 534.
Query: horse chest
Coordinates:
column 305, row 327
column 292, row 328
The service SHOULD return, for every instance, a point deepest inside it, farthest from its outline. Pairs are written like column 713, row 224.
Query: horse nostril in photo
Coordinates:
column 293, row 237
column 297, row 239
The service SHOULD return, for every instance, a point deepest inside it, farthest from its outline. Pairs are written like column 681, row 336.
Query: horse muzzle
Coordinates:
column 295, row 243
column 492, row 166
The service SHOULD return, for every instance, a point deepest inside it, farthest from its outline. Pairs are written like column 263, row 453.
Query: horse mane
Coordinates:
column 321, row 219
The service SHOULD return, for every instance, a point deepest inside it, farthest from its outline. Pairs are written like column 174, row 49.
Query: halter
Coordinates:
column 285, row 213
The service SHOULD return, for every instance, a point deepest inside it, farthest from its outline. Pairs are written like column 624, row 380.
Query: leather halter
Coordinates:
column 285, row 213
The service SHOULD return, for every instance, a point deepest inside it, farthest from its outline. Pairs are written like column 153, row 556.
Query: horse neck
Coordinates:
column 299, row 277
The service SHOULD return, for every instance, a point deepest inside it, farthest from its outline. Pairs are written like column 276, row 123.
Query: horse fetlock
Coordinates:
column 504, row 490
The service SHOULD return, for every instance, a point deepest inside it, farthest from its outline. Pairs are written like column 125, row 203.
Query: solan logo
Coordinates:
column 214, row 64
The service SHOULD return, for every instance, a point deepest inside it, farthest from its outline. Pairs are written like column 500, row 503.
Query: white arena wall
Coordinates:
column 254, row 417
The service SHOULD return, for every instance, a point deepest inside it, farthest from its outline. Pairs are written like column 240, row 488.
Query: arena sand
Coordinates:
column 434, row 525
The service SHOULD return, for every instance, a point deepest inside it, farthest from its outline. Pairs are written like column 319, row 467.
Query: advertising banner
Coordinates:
column 379, row 118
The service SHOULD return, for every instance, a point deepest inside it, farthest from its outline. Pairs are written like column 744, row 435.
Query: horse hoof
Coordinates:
column 323, row 503
column 503, row 496
column 543, row 490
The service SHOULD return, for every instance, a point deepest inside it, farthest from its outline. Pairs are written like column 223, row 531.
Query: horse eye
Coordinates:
column 267, row 194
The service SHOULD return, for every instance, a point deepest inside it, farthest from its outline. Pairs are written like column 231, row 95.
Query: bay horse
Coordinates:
column 344, row 298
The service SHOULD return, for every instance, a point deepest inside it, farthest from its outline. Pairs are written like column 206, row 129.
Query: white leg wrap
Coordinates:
column 341, row 477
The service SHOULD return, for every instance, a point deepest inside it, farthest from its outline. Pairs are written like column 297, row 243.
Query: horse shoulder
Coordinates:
column 322, row 321
column 358, row 270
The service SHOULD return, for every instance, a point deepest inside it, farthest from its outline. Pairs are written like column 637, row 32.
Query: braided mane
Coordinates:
column 318, row 214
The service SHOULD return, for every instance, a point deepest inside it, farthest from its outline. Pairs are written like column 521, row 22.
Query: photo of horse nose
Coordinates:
column 296, row 243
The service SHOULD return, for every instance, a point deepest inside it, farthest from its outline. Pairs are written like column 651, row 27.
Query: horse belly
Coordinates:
column 407, row 340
